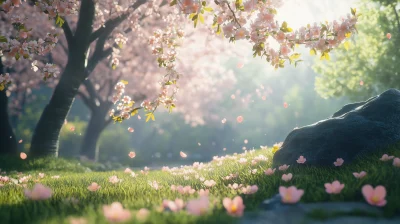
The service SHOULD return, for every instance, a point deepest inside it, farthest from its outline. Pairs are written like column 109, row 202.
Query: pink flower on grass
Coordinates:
column 39, row 192
column 283, row 167
column 360, row 175
column 375, row 196
column 385, row 157
column 210, row 183
column 127, row 170
column 142, row 214
column 78, row 221
column 198, row 206
column 174, row 206
column 287, row 177
column 114, row 179
column 250, row 189
column 338, row 162
column 396, row 162
column 93, row 187
column 116, row 213
column 291, row 194
column 203, row 192
column 41, row 175
column 234, row 207
column 269, row 171
column 301, row 160
column 334, row 188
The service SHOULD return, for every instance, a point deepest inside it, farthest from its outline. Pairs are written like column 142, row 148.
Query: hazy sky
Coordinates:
column 302, row 12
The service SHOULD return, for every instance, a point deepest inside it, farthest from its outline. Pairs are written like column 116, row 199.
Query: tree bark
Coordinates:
column 96, row 126
column 45, row 139
column 8, row 142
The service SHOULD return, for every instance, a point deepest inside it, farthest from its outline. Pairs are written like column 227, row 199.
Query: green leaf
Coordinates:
column 124, row 82
column 346, row 45
column 3, row 39
column 192, row 15
column 114, row 66
column 150, row 116
column 295, row 64
column 353, row 11
column 219, row 30
column 293, row 57
column 17, row 56
column 285, row 28
column 171, row 107
column 2, row 87
column 325, row 55
column 348, row 34
column 173, row 3
column 203, row 3
column 59, row 21
column 135, row 111
column 195, row 23
column 273, row 11
column 313, row 52
column 195, row 17
column 208, row 9
column 201, row 18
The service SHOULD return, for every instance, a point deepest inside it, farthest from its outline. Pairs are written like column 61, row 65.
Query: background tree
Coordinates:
column 369, row 64
column 8, row 142
column 231, row 18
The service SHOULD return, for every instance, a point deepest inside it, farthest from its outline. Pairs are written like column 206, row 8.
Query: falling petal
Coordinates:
column 23, row 155
column 182, row 154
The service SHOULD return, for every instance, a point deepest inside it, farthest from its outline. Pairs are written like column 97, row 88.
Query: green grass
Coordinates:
column 136, row 193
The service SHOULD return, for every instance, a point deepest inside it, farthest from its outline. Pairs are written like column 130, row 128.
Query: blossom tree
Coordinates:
column 99, row 22
column 18, row 79
column 199, row 88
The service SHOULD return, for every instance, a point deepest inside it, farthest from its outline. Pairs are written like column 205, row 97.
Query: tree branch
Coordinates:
column 92, row 91
column 86, row 101
column 68, row 33
column 85, row 22
column 110, row 25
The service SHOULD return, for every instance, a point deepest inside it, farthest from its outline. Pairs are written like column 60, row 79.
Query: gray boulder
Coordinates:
column 354, row 130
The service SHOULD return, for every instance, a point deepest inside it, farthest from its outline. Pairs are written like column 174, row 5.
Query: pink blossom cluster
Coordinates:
column 255, row 22
column 163, row 44
column 58, row 7
column 21, row 42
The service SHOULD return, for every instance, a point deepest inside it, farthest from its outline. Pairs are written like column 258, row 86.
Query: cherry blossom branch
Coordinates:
column 233, row 13
column 110, row 25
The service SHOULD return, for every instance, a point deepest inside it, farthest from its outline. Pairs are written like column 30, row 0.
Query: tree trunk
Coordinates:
column 96, row 126
column 8, row 143
column 46, row 135
column 45, row 139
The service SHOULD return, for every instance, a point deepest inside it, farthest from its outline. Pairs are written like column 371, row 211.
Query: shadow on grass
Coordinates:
column 14, row 163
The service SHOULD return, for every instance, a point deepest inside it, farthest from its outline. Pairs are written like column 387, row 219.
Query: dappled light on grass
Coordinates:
column 196, row 193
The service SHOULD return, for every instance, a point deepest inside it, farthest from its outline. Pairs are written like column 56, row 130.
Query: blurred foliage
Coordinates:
column 71, row 136
column 14, row 163
column 371, row 65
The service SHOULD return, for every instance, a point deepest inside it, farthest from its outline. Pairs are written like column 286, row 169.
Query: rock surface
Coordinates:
column 354, row 130
column 274, row 212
